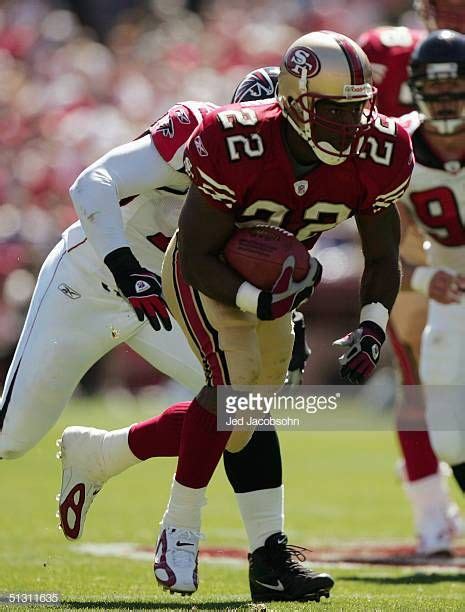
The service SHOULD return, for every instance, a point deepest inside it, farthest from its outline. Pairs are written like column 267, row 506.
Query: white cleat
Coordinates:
column 437, row 518
column 455, row 521
column 437, row 534
column 176, row 560
column 83, row 476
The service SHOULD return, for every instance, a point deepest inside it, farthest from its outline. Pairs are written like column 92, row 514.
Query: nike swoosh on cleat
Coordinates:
column 274, row 587
column 178, row 543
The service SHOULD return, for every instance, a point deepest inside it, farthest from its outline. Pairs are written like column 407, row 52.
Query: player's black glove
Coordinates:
column 300, row 351
column 141, row 287
column 362, row 354
column 287, row 294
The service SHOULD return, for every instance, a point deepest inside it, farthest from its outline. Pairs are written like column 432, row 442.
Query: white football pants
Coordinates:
column 72, row 322
column 442, row 362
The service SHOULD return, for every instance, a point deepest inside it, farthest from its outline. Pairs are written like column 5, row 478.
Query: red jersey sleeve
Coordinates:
column 386, row 183
column 171, row 132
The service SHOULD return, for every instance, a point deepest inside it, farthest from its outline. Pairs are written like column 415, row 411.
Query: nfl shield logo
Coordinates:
column 301, row 187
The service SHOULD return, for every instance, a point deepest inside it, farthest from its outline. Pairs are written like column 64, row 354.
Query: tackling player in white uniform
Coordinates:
column 435, row 202
column 77, row 313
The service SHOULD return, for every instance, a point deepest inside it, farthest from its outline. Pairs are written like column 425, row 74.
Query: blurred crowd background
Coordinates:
column 78, row 77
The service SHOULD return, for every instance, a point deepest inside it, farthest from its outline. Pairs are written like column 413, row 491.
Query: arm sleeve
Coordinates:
column 386, row 190
column 125, row 171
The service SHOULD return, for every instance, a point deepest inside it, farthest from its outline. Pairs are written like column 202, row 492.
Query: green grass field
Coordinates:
column 340, row 487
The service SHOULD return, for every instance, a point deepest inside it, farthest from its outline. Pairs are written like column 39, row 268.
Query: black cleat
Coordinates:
column 276, row 573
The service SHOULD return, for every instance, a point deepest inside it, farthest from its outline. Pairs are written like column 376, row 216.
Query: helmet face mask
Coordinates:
column 440, row 14
column 442, row 102
column 437, row 81
column 325, row 91
column 332, row 126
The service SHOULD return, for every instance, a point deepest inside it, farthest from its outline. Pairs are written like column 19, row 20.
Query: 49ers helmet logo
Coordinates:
column 299, row 58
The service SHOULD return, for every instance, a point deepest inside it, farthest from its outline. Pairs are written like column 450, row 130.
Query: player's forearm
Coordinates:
column 209, row 275
column 128, row 170
column 380, row 281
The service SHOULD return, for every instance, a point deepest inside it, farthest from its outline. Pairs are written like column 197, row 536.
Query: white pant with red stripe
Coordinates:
column 75, row 317
column 442, row 362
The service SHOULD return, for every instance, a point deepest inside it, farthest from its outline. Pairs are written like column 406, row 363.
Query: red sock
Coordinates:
column 201, row 447
column 420, row 460
column 159, row 436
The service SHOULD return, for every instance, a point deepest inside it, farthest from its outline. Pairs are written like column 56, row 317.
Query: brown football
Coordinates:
column 258, row 253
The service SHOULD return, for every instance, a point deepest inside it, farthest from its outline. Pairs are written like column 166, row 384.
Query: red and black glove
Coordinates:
column 362, row 354
column 287, row 294
column 141, row 287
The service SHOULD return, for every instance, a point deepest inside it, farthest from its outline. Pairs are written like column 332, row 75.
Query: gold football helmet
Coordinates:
column 442, row 14
column 327, row 66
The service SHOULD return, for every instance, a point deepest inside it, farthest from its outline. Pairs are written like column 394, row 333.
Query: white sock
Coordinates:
column 184, row 507
column 117, row 455
column 429, row 498
column 262, row 513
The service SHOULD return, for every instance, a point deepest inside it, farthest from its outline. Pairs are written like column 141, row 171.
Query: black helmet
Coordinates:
column 440, row 58
column 257, row 85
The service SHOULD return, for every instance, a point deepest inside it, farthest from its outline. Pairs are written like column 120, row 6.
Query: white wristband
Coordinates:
column 375, row 312
column 421, row 279
column 247, row 297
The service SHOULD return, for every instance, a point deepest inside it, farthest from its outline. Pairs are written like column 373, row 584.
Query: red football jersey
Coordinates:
column 389, row 50
column 238, row 159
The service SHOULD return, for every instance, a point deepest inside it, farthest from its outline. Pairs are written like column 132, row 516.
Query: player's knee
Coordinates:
column 449, row 446
column 246, row 375
column 275, row 375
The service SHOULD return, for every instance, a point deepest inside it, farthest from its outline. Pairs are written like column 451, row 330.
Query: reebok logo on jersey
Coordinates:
column 201, row 150
column 141, row 286
column 68, row 291
column 182, row 116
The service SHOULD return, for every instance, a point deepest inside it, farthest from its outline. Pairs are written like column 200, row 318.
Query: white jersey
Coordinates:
column 435, row 198
column 130, row 197
column 150, row 218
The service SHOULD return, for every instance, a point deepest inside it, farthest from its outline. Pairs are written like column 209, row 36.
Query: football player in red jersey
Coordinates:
column 306, row 162
column 272, row 572
column 340, row 111
column 389, row 50
column 120, row 229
